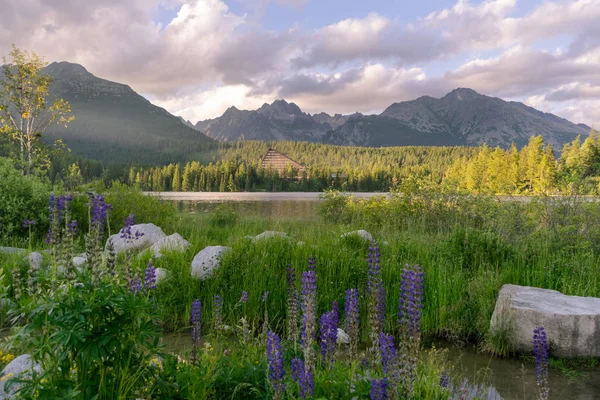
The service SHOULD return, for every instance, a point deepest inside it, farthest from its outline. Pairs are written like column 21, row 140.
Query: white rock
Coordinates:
column 342, row 337
column 269, row 235
column 151, row 234
column 572, row 323
column 172, row 242
column 300, row 243
column 12, row 250
column 207, row 260
column 20, row 367
column 35, row 259
column 79, row 261
column 162, row 274
column 361, row 234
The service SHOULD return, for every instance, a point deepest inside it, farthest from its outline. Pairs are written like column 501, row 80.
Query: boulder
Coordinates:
column 172, row 242
column 20, row 367
column 79, row 261
column 35, row 259
column 12, row 250
column 207, row 260
column 572, row 323
column 269, row 235
column 150, row 235
column 161, row 275
column 342, row 337
column 361, row 234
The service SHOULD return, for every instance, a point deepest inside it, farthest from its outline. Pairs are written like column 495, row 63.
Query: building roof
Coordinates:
column 279, row 162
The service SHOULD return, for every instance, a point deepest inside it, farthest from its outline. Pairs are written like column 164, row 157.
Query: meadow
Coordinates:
column 467, row 246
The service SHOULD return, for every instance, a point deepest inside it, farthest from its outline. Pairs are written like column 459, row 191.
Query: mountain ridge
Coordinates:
column 461, row 117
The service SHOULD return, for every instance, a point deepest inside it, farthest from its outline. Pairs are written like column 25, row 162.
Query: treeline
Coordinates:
column 236, row 167
column 534, row 169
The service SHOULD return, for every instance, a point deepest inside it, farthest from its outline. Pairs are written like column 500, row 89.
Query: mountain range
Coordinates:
column 114, row 123
column 462, row 117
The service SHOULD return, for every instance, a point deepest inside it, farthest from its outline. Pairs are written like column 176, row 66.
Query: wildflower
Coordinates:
column 266, row 318
column 303, row 377
column 16, row 277
column 218, row 312
column 378, row 389
column 376, row 293
column 99, row 211
column 329, row 323
column 292, row 304
column 111, row 259
column 540, row 351
column 150, row 277
column 195, row 319
column 264, row 296
column 444, row 380
column 244, row 298
column 309, row 305
column 410, row 306
column 389, row 363
column 135, row 285
column 28, row 223
column 275, row 358
column 352, row 319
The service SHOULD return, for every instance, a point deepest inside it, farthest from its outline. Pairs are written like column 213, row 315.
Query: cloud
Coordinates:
column 208, row 57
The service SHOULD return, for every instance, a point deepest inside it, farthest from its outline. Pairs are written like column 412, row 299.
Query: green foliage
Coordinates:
column 21, row 197
column 223, row 216
column 91, row 342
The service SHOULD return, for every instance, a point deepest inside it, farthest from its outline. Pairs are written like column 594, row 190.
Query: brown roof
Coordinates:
column 279, row 162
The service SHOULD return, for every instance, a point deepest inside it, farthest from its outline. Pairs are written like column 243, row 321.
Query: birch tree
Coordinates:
column 26, row 111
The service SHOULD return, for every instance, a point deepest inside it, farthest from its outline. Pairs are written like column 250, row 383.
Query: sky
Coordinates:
column 196, row 58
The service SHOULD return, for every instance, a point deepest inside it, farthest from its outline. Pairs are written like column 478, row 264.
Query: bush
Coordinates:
column 21, row 198
column 223, row 216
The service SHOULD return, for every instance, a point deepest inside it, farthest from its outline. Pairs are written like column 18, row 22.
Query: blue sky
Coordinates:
column 196, row 58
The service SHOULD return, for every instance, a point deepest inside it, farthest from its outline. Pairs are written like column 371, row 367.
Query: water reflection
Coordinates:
column 297, row 209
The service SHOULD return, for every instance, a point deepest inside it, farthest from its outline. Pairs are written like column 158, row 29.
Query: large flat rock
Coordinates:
column 572, row 323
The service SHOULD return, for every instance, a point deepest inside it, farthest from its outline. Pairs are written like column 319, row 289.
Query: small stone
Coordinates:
column 35, row 259
column 361, row 234
column 269, row 235
column 78, row 261
column 342, row 337
column 162, row 275
column 172, row 242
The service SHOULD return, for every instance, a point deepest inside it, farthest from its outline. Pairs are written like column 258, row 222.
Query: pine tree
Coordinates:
column 177, row 179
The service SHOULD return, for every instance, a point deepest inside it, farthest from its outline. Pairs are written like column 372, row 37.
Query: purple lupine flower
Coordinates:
column 329, row 325
column 264, row 296
column 378, row 389
column 99, row 211
column 150, row 277
column 126, row 230
column 410, row 303
column 540, row 351
column 195, row 319
column 376, row 295
column 244, row 298
column 309, row 309
column 27, row 223
column 218, row 311
column 135, row 285
column 275, row 359
column 352, row 318
column 444, row 380
column 388, row 352
column 410, row 306
column 72, row 227
column 292, row 304
column 303, row 377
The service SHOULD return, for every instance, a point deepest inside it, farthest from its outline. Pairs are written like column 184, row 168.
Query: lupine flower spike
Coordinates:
column 276, row 370
column 266, row 317
column 352, row 319
column 410, row 306
column 376, row 295
column 329, row 325
column 540, row 351
column 150, row 277
column 309, row 309
column 379, row 389
column 195, row 320
column 304, row 378
column 292, row 305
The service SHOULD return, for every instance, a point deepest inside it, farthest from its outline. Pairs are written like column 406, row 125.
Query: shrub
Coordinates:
column 21, row 197
column 223, row 216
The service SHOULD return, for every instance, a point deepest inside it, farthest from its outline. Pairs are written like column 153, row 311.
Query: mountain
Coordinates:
column 462, row 117
column 277, row 121
column 114, row 123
